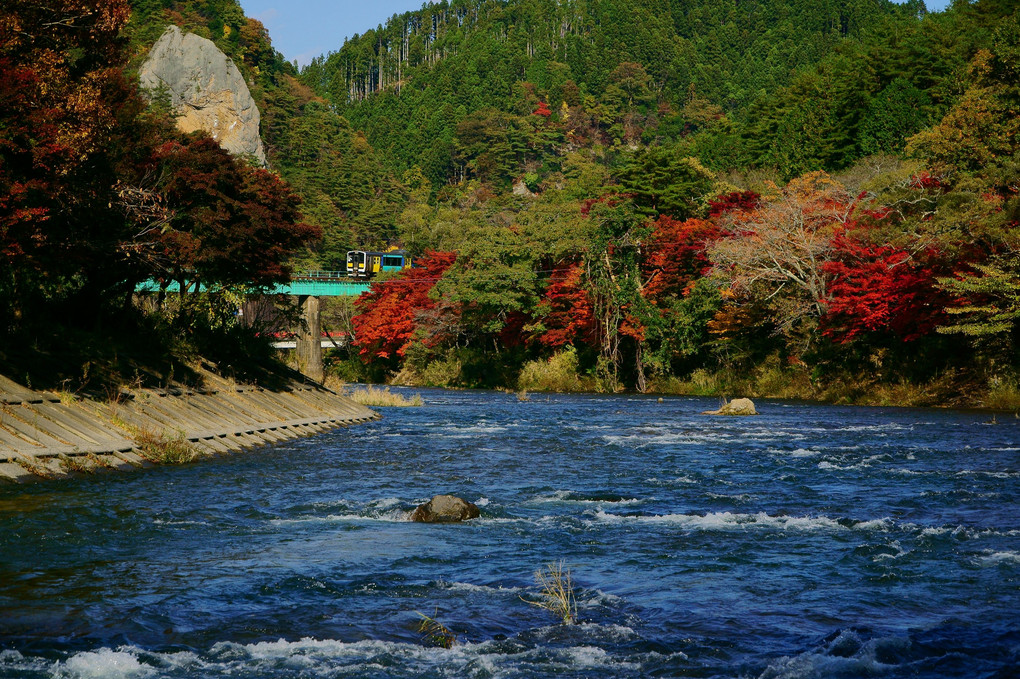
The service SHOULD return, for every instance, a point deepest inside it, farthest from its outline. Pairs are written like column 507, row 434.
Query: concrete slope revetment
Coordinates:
column 44, row 435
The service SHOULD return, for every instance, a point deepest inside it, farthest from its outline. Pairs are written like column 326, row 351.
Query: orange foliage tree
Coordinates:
column 392, row 315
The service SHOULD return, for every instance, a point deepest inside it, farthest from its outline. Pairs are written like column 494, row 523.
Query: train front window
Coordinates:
column 355, row 257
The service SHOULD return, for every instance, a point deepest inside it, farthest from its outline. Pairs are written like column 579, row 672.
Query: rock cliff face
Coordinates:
column 206, row 90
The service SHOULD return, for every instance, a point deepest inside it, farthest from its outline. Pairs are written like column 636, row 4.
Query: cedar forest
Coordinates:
column 773, row 198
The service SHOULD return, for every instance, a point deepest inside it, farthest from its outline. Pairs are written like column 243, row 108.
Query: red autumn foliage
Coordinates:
column 542, row 110
column 676, row 255
column 611, row 200
column 632, row 327
column 880, row 288
column 389, row 316
column 566, row 310
column 60, row 95
column 926, row 180
column 738, row 201
column 514, row 332
column 233, row 224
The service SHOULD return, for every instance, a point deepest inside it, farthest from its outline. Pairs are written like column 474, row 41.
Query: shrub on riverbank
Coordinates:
column 557, row 373
column 947, row 388
column 1003, row 394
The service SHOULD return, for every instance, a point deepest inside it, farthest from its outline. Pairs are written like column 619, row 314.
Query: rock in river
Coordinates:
column 738, row 406
column 445, row 509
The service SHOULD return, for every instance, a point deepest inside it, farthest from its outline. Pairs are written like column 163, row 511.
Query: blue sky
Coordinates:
column 303, row 29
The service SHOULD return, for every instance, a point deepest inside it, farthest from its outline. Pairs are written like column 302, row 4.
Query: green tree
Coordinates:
column 661, row 181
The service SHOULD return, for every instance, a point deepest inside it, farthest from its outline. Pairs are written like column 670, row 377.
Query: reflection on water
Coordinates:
column 811, row 541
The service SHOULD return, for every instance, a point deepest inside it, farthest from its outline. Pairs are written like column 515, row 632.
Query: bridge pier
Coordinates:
column 309, row 340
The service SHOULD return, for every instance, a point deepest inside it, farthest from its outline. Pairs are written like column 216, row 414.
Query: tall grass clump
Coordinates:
column 1003, row 394
column 557, row 592
column 383, row 398
column 162, row 448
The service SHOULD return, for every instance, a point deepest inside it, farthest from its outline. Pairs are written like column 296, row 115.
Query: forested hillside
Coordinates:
column 411, row 82
column 813, row 199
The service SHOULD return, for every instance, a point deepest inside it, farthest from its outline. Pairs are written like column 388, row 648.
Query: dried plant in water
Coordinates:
column 557, row 593
column 435, row 633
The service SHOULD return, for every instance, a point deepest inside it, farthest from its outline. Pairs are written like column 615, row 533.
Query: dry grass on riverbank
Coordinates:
column 382, row 398
column 164, row 448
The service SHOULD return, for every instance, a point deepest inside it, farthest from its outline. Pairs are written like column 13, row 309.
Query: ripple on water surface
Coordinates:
column 811, row 541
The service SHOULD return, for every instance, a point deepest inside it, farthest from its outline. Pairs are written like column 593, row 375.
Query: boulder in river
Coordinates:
column 738, row 406
column 445, row 509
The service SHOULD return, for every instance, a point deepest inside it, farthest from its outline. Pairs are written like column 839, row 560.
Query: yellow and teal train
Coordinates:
column 364, row 264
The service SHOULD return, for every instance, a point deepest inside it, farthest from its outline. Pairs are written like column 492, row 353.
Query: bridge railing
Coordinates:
column 321, row 275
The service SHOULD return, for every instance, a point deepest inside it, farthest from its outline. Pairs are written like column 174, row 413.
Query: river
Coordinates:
column 811, row 541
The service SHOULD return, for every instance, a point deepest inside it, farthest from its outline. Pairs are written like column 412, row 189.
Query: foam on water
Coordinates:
column 389, row 517
column 999, row 558
column 311, row 657
column 737, row 521
column 182, row 522
column 799, row 452
column 13, row 663
column 104, row 664
column 866, row 463
column 992, row 474
column 680, row 480
column 572, row 497
column 479, row 589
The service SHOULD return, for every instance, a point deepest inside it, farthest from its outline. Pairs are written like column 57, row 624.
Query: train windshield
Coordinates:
column 356, row 257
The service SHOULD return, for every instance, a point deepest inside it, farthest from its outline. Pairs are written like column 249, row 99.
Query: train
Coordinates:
column 365, row 264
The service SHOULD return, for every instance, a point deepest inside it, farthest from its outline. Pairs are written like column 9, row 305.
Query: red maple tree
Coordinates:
column 880, row 288
column 565, row 310
column 391, row 314
column 676, row 255
column 232, row 224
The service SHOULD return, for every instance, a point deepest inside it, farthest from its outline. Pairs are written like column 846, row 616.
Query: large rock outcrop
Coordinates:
column 206, row 91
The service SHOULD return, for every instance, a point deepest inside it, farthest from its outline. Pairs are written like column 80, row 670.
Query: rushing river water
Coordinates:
column 811, row 541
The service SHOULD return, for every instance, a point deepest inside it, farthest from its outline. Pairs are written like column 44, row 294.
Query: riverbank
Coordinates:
column 950, row 389
column 49, row 435
column 769, row 379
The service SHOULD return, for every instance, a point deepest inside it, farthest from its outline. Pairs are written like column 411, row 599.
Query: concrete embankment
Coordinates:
column 49, row 435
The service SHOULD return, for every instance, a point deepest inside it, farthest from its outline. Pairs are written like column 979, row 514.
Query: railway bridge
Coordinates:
column 308, row 287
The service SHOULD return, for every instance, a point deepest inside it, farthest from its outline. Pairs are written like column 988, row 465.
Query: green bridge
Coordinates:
column 308, row 288
column 314, row 284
